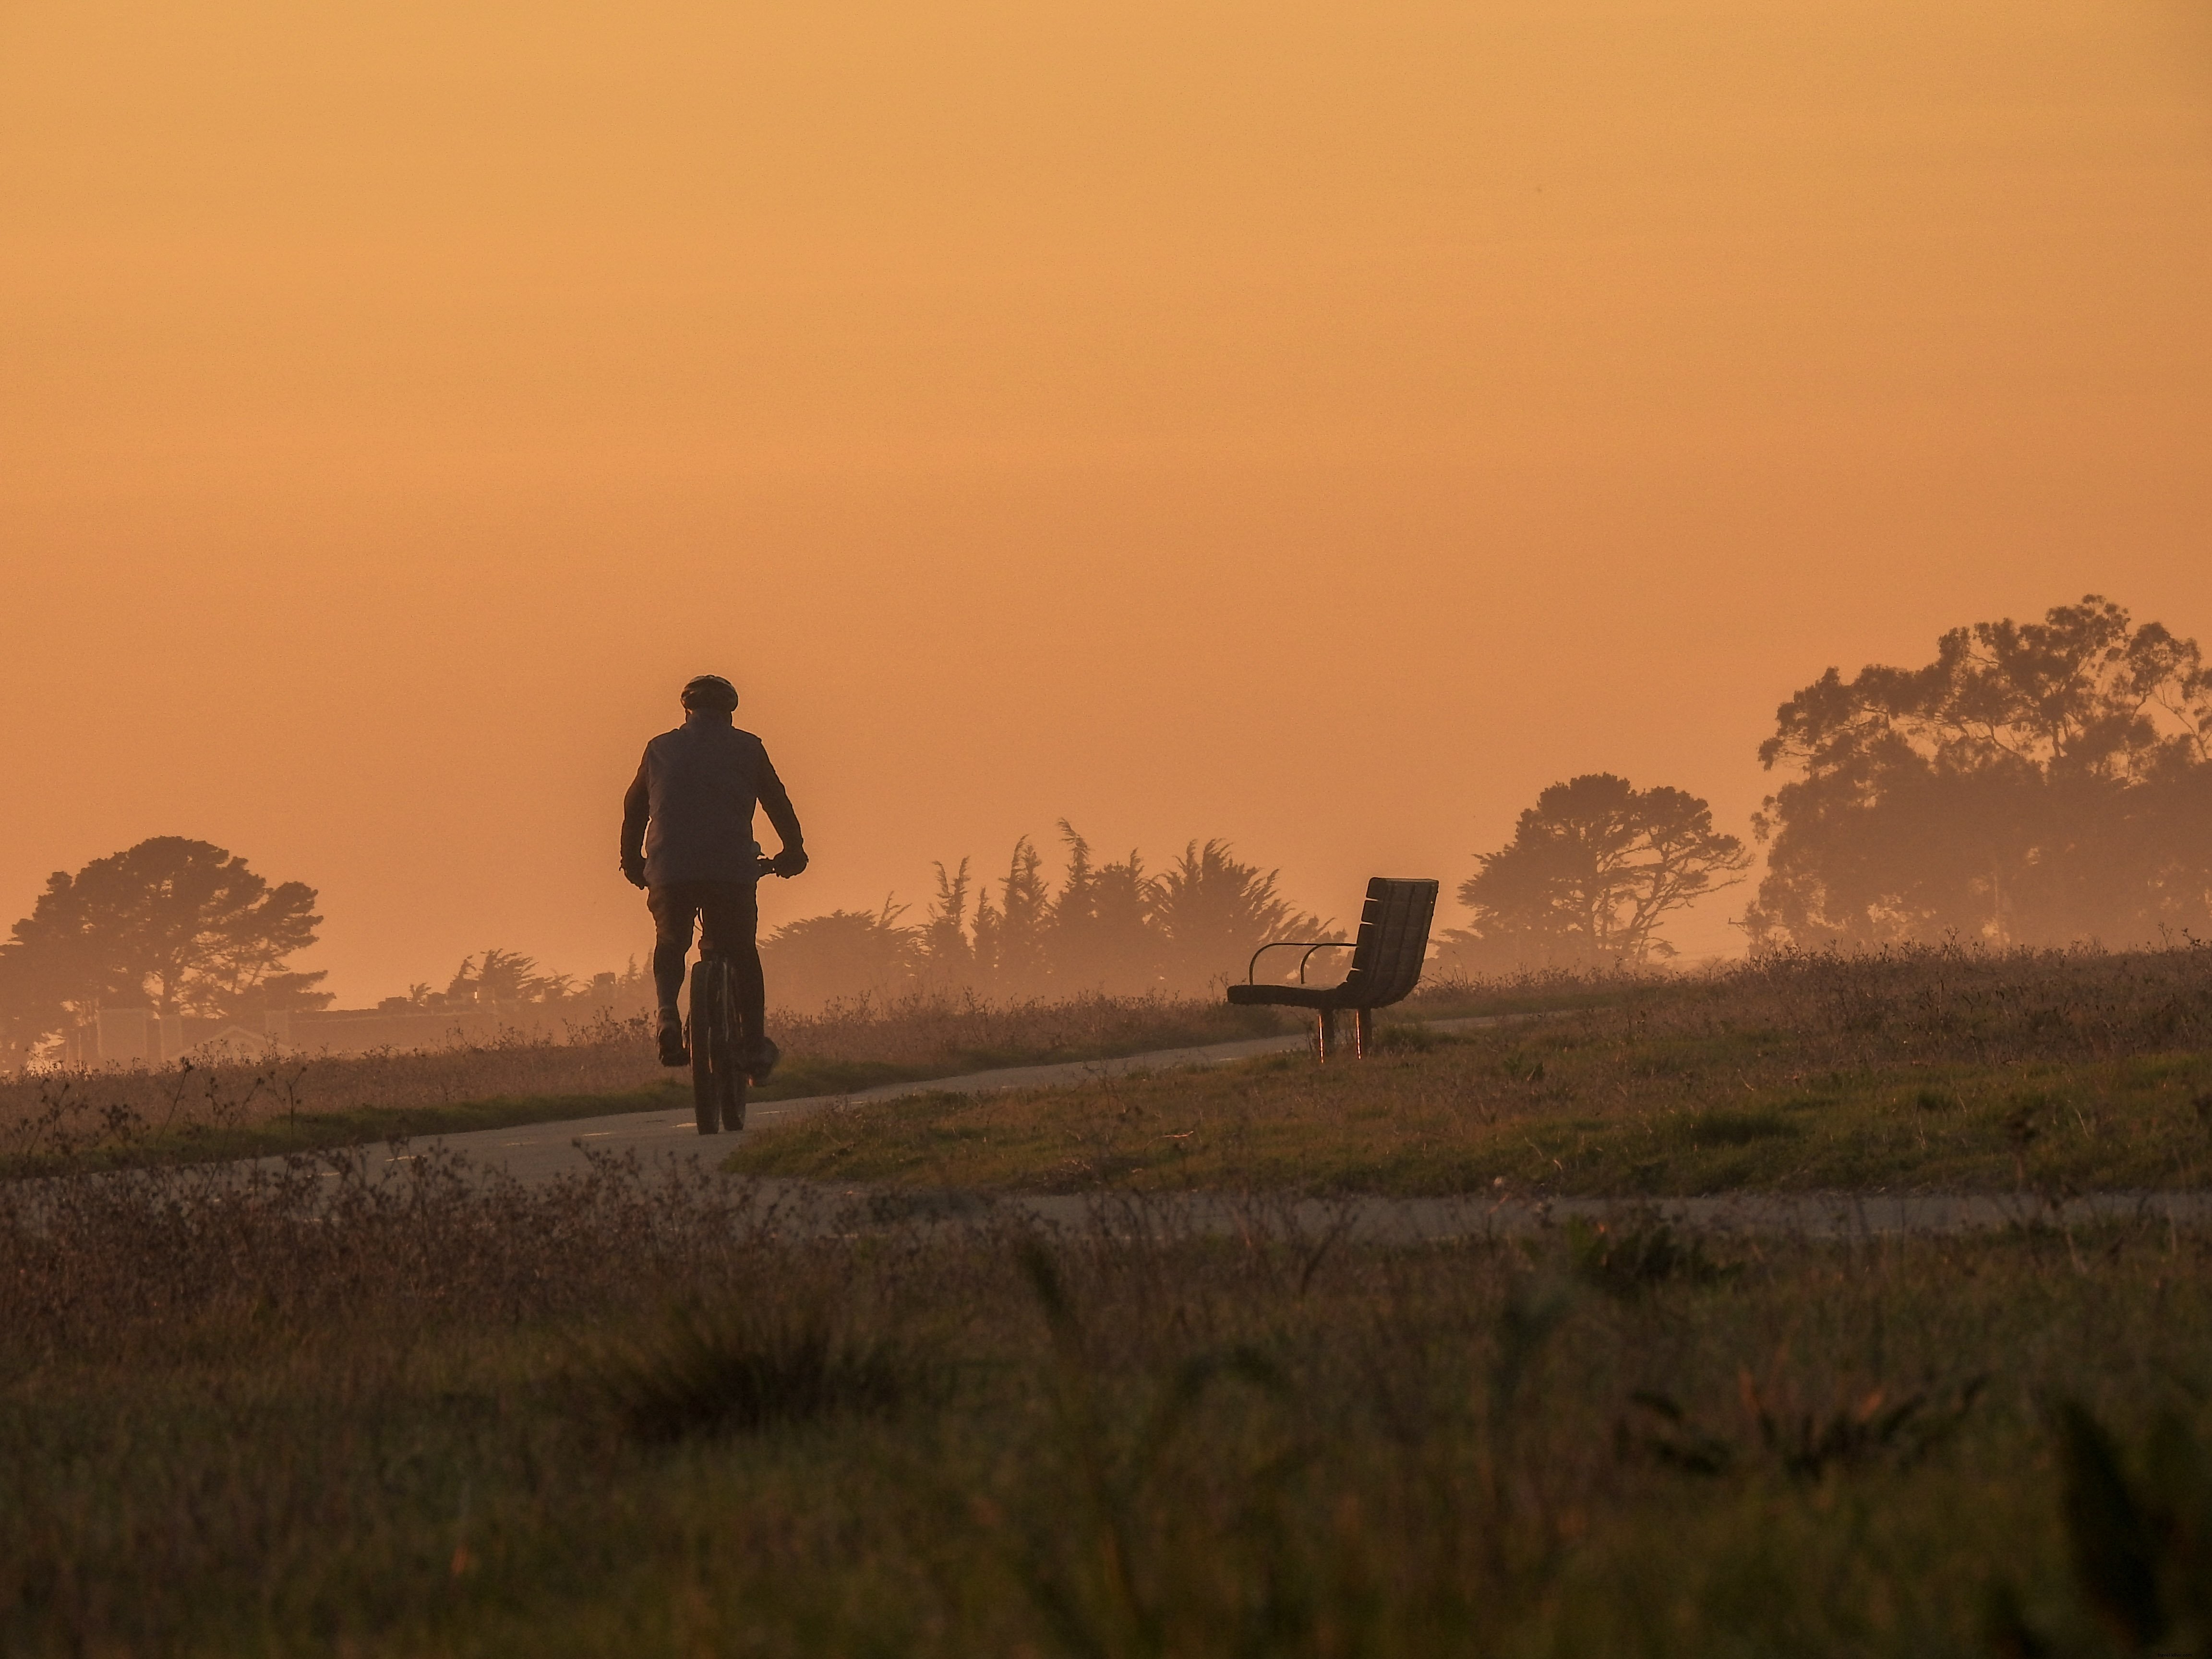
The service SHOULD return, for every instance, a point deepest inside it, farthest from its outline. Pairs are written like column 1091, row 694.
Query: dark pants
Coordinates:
column 728, row 916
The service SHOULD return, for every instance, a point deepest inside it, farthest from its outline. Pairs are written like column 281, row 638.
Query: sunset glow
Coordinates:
column 1318, row 426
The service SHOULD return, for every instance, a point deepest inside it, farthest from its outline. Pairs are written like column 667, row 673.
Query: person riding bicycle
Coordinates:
column 687, row 839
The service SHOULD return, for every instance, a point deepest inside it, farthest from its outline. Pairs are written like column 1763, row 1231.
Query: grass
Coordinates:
column 737, row 1368
column 335, row 1405
column 316, row 1411
column 1920, row 1070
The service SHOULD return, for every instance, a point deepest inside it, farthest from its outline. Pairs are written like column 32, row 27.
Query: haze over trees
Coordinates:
column 501, row 978
column 1593, row 868
column 1114, row 927
column 181, row 927
column 2036, row 783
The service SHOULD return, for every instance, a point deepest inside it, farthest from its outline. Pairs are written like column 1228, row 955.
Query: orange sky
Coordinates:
column 1321, row 425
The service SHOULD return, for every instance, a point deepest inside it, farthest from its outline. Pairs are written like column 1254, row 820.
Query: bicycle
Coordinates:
column 718, row 1074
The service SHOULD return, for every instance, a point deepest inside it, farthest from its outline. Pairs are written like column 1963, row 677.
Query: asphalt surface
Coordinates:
column 541, row 1152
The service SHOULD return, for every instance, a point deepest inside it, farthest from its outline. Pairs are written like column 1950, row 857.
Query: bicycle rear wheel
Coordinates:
column 717, row 1086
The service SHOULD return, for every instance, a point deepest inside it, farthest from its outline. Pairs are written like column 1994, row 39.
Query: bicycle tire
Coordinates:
column 718, row 1085
column 729, row 1064
column 706, row 1090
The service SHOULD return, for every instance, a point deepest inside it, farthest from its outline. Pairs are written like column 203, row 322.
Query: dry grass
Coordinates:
column 311, row 1413
column 1928, row 1069
column 314, row 1410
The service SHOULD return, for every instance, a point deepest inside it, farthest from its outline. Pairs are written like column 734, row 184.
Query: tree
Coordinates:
column 1593, row 868
column 1214, row 911
column 183, row 927
column 845, row 953
column 1009, row 948
column 505, row 976
column 1100, row 929
column 2037, row 781
column 1111, row 927
column 946, row 955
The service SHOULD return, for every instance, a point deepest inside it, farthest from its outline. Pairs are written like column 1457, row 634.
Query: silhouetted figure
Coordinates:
column 687, row 839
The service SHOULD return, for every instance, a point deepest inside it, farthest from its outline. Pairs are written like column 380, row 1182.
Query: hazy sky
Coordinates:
column 1319, row 426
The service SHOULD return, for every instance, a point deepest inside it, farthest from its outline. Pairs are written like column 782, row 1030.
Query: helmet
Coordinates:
column 712, row 692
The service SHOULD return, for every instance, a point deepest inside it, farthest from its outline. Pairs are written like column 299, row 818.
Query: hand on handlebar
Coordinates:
column 791, row 861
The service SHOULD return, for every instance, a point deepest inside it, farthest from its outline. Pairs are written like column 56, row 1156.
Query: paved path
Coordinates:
column 539, row 1152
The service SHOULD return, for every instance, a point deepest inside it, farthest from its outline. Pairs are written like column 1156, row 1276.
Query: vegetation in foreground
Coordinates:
column 312, row 1412
column 1929, row 1069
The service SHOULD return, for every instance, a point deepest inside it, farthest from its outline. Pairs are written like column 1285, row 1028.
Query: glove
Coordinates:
column 790, row 861
column 634, row 872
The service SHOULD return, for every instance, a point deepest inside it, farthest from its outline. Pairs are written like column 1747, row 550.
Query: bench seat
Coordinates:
column 1385, row 963
column 1289, row 996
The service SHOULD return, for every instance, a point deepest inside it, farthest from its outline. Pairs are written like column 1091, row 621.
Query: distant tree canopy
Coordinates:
column 180, row 926
column 500, row 975
column 1110, row 928
column 845, row 953
column 1593, row 868
column 2037, row 783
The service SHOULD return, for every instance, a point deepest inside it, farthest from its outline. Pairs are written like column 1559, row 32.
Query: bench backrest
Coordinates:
column 1394, row 938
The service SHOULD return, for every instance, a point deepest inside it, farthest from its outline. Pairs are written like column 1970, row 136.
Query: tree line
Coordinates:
column 1113, row 926
column 2035, row 783
column 503, row 978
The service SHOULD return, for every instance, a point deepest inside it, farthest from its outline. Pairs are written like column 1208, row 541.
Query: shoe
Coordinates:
column 762, row 1060
column 672, row 1051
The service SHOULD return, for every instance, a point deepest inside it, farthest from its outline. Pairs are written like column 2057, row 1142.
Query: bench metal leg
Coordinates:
column 1363, row 1030
column 1324, row 1034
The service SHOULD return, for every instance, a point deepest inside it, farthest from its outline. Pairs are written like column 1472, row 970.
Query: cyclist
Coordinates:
column 687, row 839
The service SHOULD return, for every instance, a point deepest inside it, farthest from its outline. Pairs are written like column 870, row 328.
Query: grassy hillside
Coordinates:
column 1929, row 1069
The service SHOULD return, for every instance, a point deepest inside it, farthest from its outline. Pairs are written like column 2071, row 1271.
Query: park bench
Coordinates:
column 1386, row 965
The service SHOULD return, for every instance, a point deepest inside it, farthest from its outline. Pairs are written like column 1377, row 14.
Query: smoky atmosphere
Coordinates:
column 1314, row 434
column 1141, row 830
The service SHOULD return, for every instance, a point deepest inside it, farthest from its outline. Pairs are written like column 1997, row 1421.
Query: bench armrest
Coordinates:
column 1311, row 945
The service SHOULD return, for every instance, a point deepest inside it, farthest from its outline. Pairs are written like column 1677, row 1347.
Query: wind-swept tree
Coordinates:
column 2037, row 781
column 506, row 976
column 1112, row 927
column 844, row 953
column 1010, row 943
column 181, row 927
column 946, row 954
column 1593, row 868
column 1214, row 911
column 1101, row 934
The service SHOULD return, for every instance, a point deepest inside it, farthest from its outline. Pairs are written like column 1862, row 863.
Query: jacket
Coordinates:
column 688, row 813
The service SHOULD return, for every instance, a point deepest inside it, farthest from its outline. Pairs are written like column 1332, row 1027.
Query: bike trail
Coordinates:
column 542, row 1151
